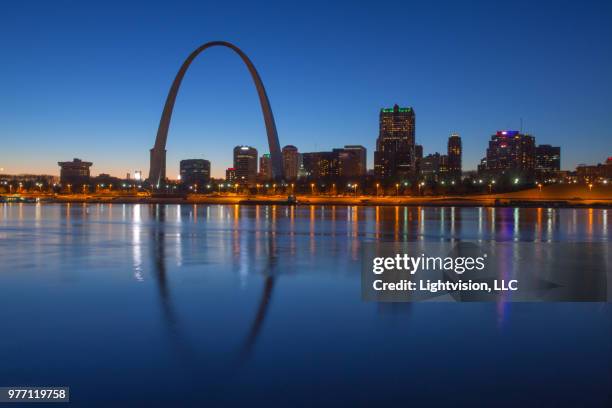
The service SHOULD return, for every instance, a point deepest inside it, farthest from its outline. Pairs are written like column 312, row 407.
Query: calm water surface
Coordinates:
column 244, row 305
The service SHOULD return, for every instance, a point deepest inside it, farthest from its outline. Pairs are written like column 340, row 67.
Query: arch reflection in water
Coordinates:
column 159, row 263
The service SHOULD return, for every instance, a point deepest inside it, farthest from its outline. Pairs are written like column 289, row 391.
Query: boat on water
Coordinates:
column 17, row 199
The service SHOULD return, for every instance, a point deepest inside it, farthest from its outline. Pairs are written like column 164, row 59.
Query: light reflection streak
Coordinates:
column 396, row 230
column 549, row 221
column 516, row 229
column 136, row 243
column 312, row 230
column 452, row 221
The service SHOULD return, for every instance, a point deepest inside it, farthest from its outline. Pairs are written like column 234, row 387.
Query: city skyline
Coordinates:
column 92, row 98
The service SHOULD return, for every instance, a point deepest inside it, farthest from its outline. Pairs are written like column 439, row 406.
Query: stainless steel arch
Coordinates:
column 157, row 169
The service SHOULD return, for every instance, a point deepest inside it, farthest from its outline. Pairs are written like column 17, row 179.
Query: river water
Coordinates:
column 228, row 305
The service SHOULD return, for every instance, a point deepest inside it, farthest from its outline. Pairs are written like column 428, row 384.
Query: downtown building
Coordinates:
column 291, row 162
column 600, row 173
column 347, row 163
column 195, row 171
column 351, row 161
column 548, row 162
column 230, row 175
column 395, row 157
column 444, row 168
column 75, row 173
column 265, row 168
column 320, row 165
column 245, row 165
column 454, row 154
column 510, row 154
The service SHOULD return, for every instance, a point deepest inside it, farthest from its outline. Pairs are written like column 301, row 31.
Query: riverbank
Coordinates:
column 428, row 201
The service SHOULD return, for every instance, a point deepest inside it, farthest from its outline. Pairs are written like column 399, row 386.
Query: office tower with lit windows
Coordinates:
column 195, row 171
column 395, row 155
column 265, row 167
column 430, row 167
column 320, row 165
column 291, row 162
column 510, row 153
column 548, row 160
column 245, row 164
column 351, row 161
column 230, row 175
column 454, row 157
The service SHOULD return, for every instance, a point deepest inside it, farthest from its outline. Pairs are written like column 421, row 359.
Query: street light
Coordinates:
column 377, row 185
column 396, row 189
column 590, row 186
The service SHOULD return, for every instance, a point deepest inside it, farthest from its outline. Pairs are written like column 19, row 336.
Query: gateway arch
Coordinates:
column 157, row 169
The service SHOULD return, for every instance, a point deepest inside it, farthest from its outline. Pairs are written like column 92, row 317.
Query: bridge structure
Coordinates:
column 157, row 169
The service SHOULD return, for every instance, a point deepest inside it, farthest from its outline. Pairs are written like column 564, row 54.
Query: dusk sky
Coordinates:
column 89, row 79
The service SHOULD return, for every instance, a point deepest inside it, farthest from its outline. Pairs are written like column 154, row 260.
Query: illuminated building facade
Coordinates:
column 351, row 161
column 510, row 152
column 395, row 156
column 245, row 164
column 434, row 167
column 320, row 165
column 454, row 153
column 291, row 162
column 230, row 175
column 548, row 160
column 595, row 173
column 265, row 167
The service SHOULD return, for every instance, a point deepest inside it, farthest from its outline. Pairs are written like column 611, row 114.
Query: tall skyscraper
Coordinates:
column 454, row 157
column 245, row 163
column 195, row 171
column 395, row 157
column 291, row 162
column 265, row 167
column 510, row 152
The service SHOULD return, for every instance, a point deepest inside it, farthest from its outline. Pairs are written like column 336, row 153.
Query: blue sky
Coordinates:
column 89, row 79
